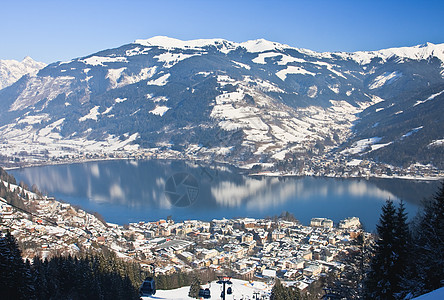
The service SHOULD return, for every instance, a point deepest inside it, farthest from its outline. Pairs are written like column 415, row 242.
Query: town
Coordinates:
column 294, row 164
column 244, row 248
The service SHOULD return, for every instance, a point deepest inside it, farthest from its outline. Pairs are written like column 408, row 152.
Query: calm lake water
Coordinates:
column 126, row 191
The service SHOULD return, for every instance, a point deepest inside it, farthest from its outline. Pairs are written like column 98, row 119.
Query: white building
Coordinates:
column 321, row 222
column 352, row 222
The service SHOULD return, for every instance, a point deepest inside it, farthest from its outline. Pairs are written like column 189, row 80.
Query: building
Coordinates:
column 277, row 235
column 312, row 270
column 348, row 223
column 321, row 222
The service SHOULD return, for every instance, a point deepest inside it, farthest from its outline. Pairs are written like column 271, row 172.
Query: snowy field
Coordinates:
column 241, row 290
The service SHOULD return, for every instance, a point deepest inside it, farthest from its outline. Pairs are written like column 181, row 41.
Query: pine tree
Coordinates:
column 39, row 278
column 15, row 277
column 195, row 287
column 402, row 250
column 380, row 279
column 28, row 287
column 279, row 292
column 429, row 244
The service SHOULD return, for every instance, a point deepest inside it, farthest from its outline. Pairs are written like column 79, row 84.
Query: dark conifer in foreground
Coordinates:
column 429, row 245
column 280, row 292
column 88, row 277
column 15, row 275
column 387, row 268
column 195, row 287
column 402, row 250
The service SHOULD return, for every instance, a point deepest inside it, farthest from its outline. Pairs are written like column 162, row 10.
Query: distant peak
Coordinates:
column 29, row 62
column 427, row 44
column 27, row 58
column 168, row 42
column 261, row 45
column 159, row 41
column 258, row 45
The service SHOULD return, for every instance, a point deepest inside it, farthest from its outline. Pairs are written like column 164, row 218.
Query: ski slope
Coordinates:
column 241, row 289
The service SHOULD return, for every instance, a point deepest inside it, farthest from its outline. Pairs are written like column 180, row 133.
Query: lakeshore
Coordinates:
column 125, row 191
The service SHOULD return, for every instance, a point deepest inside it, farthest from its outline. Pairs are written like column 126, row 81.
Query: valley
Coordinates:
column 258, row 105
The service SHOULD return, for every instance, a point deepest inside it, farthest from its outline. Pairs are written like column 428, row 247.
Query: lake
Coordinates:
column 125, row 191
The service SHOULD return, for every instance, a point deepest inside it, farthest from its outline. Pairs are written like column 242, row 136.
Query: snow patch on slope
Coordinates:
column 160, row 110
column 120, row 100
column 383, row 79
column 436, row 143
column 39, row 88
column 363, row 145
column 414, row 130
column 242, row 65
column 161, row 81
column 428, row 99
column 170, row 59
column 260, row 59
column 102, row 60
column 114, row 75
column 282, row 74
column 137, row 51
column 92, row 115
column 329, row 68
column 144, row 74
column 31, row 120
column 264, row 85
column 284, row 60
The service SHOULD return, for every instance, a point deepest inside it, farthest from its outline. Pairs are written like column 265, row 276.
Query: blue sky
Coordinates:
column 60, row 30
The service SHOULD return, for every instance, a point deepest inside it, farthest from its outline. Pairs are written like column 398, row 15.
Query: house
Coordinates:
column 348, row 223
column 246, row 274
column 321, row 222
column 269, row 273
column 312, row 270
column 308, row 255
column 185, row 256
column 277, row 235
column 241, row 265
column 247, row 238
column 207, row 254
column 197, row 264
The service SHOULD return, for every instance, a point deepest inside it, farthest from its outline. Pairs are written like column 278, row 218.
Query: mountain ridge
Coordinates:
column 265, row 103
column 421, row 51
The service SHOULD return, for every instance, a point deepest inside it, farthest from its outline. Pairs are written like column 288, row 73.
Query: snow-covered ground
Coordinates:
column 260, row 45
column 275, row 129
column 241, row 289
column 383, row 79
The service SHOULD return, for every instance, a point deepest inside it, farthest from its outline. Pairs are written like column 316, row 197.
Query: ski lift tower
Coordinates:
column 224, row 280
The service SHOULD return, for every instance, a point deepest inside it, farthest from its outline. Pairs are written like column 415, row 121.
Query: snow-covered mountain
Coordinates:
column 12, row 70
column 247, row 103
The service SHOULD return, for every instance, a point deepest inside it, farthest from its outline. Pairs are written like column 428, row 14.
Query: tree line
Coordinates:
column 89, row 276
column 408, row 258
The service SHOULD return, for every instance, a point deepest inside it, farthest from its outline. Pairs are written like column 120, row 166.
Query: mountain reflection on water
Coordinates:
column 126, row 191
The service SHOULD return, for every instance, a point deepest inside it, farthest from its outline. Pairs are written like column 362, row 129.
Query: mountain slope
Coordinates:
column 245, row 103
column 408, row 129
